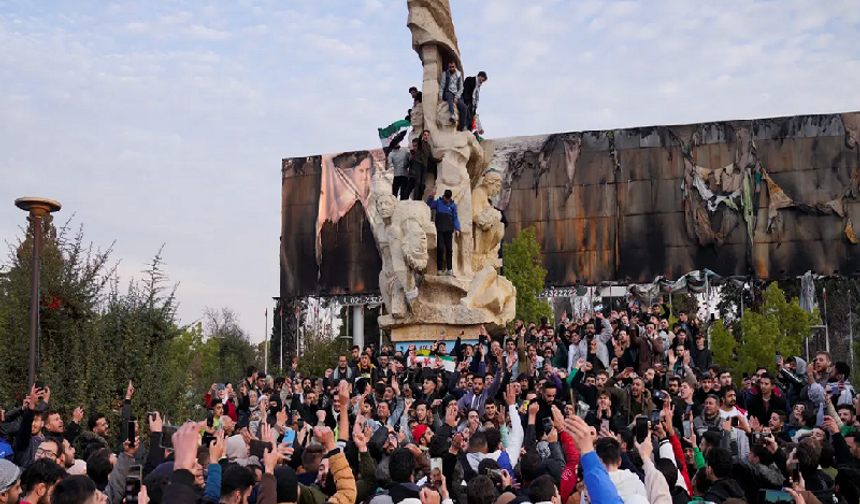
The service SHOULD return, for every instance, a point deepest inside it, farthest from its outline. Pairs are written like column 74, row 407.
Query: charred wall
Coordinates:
column 632, row 204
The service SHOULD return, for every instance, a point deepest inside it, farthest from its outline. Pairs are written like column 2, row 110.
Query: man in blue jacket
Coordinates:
column 447, row 226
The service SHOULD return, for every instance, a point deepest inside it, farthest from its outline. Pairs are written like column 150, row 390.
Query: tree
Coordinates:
column 522, row 263
column 778, row 325
column 320, row 352
column 94, row 338
column 723, row 345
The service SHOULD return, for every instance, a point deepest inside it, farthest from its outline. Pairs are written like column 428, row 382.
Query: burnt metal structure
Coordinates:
column 768, row 198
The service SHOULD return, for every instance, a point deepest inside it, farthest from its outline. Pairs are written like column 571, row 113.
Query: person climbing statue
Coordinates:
column 447, row 226
column 451, row 90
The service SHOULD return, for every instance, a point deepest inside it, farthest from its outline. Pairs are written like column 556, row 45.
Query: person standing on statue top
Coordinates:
column 422, row 160
column 451, row 90
column 398, row 159
column 447, row 226
column 471, row 95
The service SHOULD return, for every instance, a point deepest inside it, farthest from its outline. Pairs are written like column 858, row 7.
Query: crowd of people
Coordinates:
column 411, row 167
column 619, row 407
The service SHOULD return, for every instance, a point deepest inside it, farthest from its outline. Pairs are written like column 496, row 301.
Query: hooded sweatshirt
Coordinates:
column 629, row 486
column 724, row 489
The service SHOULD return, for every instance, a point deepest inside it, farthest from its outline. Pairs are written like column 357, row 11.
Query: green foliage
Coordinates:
column 723, row 345
column 320, row 352
column 779, row 325
column 523, row 268
column 94, row 339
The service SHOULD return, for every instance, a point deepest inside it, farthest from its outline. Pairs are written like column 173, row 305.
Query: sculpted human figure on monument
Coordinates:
column 488, row 228
column 400, row 229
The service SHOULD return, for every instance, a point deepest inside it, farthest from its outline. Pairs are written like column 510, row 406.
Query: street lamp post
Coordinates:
column 281, row 317
column 38, row 209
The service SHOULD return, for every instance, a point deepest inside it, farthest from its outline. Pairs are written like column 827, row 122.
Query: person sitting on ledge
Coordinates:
column 447, row 226
column 451, row 90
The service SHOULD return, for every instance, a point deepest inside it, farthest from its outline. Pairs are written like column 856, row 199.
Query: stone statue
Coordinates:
column 420, row 306
column 488, row 229
column 400, row 229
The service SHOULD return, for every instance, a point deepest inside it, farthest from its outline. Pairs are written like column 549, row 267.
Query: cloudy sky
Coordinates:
column 164, row 121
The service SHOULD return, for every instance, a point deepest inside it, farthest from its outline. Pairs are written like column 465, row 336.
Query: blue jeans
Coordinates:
column 461, row 108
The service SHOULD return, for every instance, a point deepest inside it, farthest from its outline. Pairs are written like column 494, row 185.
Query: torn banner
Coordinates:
column 340, row 188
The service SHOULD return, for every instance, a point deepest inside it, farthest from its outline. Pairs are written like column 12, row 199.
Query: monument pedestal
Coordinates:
column 432, row 332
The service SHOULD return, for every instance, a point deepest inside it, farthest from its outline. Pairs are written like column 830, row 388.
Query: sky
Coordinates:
column 164, row 122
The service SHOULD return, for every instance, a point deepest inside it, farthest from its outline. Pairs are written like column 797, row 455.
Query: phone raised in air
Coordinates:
column 167, row 433
column 795, row 472
column 259, row 448
column 436, row 463
column 774, row 497
column 643, row 429
column 131, row 431
column 289, row 436
column 132, row 489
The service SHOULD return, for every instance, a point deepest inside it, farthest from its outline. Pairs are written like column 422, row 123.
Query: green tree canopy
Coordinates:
column 95, row 338
column 523, row 268
column 779, row 325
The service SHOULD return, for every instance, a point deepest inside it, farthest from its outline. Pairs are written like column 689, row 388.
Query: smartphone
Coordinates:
column 167, row 433
column 131, row 433
column 493, row 473
column 736, row 422
column 655, row 416
column 289, row 436
column 436, row 463
column 688, row 428
column 604, row 424
column 150, row 416
column 210, row 419
column 774, row 496
column 547, row 425
column 777, row 357
column 643, row 428
column 208, row 439
column 301, row 424
column 795, row 472
column 39, row 384
column 259, row 448
column 132, row 488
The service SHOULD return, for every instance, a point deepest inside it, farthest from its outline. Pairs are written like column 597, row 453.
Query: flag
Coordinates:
column 387, row 134
column 267, row 312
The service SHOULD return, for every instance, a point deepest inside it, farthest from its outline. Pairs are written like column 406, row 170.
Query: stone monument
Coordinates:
column 420, row 304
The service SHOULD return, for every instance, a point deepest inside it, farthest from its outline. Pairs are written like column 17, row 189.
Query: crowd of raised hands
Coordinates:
column 615, row 408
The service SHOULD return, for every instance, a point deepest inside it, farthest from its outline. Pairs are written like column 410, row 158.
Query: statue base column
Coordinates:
column 433, row 332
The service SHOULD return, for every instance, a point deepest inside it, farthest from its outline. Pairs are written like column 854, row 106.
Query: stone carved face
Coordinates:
column 493, row 182
column 415, row 245
column 385, row 205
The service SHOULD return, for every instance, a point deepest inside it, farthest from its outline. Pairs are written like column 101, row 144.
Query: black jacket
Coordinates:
column 724, row 489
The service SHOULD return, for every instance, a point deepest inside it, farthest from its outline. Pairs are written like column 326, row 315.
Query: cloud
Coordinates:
column 165, row 122
column 202, row 32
